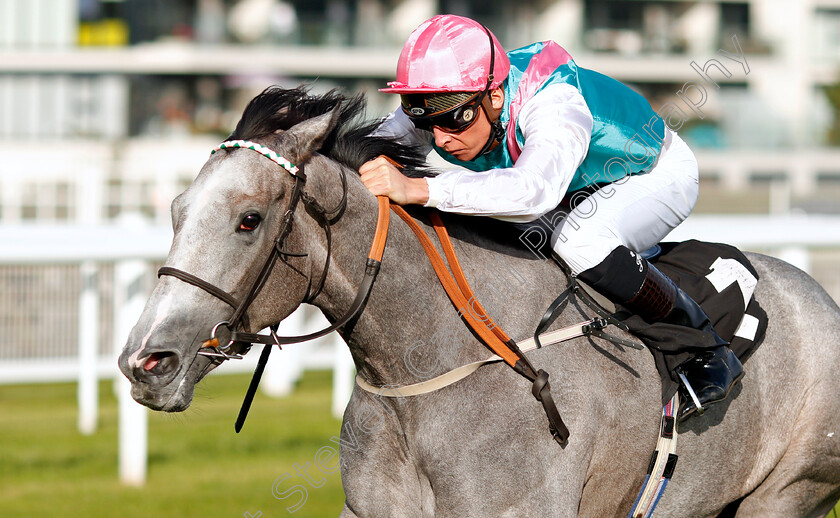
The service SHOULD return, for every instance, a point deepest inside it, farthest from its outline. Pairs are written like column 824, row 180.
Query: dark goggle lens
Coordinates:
column 455, row 120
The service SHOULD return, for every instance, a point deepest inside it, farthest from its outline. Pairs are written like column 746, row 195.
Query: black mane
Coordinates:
column 350, row 143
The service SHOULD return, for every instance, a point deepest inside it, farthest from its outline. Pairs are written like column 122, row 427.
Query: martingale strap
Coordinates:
column 497, row 340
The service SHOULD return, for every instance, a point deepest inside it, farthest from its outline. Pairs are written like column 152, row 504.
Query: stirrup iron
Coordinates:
column 700, row 410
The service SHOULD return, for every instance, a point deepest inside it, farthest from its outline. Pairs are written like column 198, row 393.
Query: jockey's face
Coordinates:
column 466, row 145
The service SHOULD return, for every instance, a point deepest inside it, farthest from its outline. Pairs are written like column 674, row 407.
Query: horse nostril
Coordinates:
column 160, row 364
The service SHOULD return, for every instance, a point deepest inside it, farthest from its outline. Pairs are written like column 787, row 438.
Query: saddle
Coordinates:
column 722, row 280
column 719, row 277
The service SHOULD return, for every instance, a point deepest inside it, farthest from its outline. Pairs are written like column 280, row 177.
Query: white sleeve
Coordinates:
column 557, row 126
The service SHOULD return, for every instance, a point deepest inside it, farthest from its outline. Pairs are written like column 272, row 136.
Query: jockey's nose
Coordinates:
column 441, row 137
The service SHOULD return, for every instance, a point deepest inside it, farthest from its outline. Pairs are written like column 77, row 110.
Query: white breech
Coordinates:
column 637, row 211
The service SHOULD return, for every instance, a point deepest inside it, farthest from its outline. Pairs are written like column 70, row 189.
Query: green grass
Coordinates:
column 197, row 466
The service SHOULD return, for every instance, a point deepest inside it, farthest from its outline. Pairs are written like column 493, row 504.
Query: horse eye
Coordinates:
column 250, row 222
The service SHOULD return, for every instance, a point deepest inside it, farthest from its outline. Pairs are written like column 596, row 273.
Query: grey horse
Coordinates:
column 479, row 447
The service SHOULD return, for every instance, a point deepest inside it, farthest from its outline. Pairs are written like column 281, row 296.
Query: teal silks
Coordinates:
column 626, row 135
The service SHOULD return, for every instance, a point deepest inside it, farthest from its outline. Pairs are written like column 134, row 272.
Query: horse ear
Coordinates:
column 309, row 135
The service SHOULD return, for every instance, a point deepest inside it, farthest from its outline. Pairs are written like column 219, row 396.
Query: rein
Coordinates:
column 497, row 340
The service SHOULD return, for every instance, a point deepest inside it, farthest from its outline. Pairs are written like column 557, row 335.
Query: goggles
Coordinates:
column 437, row 110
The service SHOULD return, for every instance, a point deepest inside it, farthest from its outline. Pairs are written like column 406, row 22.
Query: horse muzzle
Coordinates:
column 162, row 378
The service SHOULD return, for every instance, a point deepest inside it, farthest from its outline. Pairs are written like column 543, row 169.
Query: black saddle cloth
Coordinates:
column 722, row 280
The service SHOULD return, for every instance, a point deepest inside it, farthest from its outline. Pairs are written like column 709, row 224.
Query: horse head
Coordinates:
column 226, row 225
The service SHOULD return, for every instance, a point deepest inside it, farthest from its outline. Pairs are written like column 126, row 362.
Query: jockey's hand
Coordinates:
column 382, row 178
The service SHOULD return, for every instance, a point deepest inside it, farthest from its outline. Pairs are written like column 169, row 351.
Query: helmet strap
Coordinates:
column 497, row 130
column 497, row 133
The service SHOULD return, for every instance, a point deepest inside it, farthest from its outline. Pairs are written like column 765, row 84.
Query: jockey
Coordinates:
column 532, row 128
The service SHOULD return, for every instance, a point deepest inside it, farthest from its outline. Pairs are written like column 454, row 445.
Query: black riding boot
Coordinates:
column 630, row 280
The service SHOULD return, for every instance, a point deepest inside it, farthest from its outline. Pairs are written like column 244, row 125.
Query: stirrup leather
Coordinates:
column 690, row 390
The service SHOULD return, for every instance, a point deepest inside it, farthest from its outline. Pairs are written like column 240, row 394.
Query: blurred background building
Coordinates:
column 109, row 107
column 99, row 79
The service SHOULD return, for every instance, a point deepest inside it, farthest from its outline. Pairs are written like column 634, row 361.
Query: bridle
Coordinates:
column 227, row 333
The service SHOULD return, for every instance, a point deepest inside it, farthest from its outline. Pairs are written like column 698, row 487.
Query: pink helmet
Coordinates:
column 449, row 53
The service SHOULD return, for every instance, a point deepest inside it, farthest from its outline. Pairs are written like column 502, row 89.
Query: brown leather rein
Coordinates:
column 465, row 301
column 455, row 285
